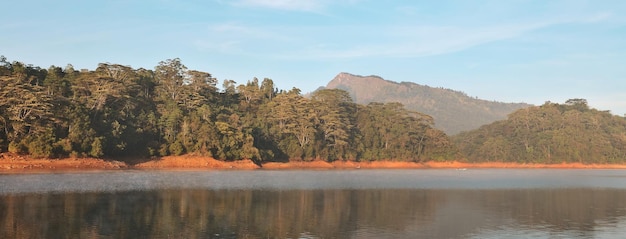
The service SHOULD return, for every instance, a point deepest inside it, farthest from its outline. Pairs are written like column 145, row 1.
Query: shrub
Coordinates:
column 17, row 148
column 96, row 148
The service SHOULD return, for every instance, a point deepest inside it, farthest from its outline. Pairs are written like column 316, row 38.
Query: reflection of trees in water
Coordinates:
column 204, row 213
column 323, row 213
column 575, row 210
column 560, row 209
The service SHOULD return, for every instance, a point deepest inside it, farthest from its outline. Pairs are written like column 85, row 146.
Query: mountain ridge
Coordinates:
column 453, row 111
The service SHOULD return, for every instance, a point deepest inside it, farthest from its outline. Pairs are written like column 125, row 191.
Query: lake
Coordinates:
column 426, row 203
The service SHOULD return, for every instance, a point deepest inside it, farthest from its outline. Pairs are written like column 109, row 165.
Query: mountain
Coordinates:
column 453, row 111
column 550, row 133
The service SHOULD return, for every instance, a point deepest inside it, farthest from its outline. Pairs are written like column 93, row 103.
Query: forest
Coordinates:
column 119, row 112
column 551, row 133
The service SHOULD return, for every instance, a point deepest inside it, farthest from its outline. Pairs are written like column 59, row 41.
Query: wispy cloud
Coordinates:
column 228, row 47
column 420, row 41
column 238, row 39
column 317, row 6
column 247, row 32
column 297, row 5
column 360, row 41
column 412, row 41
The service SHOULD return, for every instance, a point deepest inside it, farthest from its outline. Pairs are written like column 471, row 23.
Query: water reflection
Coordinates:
column 334, row 213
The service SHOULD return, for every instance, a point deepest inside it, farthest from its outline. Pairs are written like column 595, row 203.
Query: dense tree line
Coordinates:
column 551, row 133
column 117, row 111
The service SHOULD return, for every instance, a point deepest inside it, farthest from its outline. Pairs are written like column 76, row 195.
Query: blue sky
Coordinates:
column 510, row 51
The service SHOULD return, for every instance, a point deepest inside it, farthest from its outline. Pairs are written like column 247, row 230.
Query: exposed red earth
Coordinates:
column 20, row 163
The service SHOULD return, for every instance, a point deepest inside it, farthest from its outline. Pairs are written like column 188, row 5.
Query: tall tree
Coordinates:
column 336, row 121
column 170, row 75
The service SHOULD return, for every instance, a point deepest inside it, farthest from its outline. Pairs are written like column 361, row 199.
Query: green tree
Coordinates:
column 336, row 113
column 27, row 108
column 551, row 133
column 170, row 75
column 117, row 111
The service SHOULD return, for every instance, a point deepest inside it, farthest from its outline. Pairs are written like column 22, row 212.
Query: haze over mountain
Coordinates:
column 453, row 111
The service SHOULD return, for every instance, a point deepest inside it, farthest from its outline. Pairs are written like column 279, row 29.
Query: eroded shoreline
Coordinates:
column 18, row 163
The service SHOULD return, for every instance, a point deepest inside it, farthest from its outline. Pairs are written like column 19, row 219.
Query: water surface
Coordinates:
column 481, row 203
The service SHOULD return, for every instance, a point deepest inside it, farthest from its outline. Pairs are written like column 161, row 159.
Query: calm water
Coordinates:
column 482, row 203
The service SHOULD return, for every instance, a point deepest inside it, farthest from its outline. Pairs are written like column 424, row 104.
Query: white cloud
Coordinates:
column 420, row 41
column 246, row 32
column 235, row 31
column 598, row 17
column 317, row 6
column 228, row 47
column 357, row 41
column 237, row 39
column 297, row 5
column 413, row 41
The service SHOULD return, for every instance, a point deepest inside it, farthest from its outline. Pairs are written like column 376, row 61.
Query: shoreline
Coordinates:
column 10, row 163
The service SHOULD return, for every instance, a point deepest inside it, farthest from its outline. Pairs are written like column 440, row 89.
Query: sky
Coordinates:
column 509, row 51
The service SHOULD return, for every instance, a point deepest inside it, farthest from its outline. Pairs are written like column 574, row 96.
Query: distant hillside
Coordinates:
column 551, row 133
column 453, row 111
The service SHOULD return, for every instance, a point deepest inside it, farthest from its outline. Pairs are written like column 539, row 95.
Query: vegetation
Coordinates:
column 453, row 111
column 551, row 133
column 117, row 111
